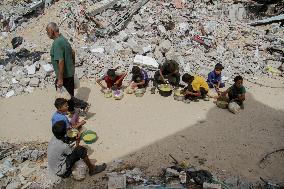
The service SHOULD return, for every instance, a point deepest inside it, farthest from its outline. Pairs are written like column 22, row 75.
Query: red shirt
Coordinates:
column 110, row 83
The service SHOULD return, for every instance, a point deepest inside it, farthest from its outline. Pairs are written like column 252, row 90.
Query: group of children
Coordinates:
column 197, row 87
column 63, row 153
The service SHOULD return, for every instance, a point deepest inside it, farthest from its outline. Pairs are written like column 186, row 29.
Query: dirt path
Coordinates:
column 145, row 130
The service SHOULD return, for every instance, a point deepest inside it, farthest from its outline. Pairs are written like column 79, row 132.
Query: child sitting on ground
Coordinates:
column 197, row 87
column 111, row 79
column 140, row 78
column 61, row 105
column 214, row 78
column 61, row 157
column 236, row 92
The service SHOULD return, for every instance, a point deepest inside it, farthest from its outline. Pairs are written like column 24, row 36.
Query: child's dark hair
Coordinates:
column 59, row 129
column 219, row 66
column 237, row 78
column 59, row 102
column 111, row 72
column 171, row 66
column 136, row 70
column 187, row 78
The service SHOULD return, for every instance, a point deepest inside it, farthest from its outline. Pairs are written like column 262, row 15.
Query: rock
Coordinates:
column 116, row 181
column 9, row 67
column 26, row 185
column 14, row 185
column 133, row 45
column 236, row 12
column 281, row 68
column 147, row 49
column 29, row 89
column 41, row 74
column 274, row 64
column 27, row 171
column 183, row 27
column 162, row 29
column 25, row 81
column 211, row 186
column 80, row 72
column 22, row 179
column 14, row 81
column 34, row 82
column 31, row 69
column 10, row 93
column 145, row 60
column 97, row 49
column 36, row 154
column 165, row 46
column 18, row 89
column 171, row 172
column 122, row 36
column 47, row 68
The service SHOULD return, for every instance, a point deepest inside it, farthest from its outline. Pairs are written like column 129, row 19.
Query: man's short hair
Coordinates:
column 59, row 102
column 237, row 78
column 53, row 26
column 59, row 129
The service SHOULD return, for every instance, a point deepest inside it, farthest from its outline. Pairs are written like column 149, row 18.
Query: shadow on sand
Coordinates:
column 225, row 148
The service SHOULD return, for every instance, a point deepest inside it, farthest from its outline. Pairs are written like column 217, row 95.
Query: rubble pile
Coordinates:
column 24, row 166
column 180, row 175
column 122, row 32
column 15, row 13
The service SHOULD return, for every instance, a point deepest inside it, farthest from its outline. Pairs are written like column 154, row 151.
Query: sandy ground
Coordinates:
column 145, row 130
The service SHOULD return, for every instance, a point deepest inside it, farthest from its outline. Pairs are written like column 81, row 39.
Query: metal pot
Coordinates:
column 165, row 90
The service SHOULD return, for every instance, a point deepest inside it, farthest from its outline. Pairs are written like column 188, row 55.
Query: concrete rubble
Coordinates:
column 197, row 36
column 25, row 166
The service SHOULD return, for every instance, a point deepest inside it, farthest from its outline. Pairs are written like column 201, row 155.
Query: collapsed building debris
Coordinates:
column 123, row 32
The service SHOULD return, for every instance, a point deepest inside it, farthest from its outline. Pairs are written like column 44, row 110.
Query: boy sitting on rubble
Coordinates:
column 61, row 105
column 111, row 79
column 61, row 156
column 140, row 78
column 236, row 92
column 214, row 78
column 168, row 72
column 197, row 88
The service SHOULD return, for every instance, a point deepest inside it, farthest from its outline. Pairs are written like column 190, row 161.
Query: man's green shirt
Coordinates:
column 61, row 50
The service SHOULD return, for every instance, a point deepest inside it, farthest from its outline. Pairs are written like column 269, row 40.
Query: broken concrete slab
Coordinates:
column 10, row 93
column 116, row 181
column 34, row 82
column 211, row 186
column 145, row 60
column 274, row 19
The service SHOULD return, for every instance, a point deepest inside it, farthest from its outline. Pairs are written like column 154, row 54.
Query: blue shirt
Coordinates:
column 144, row 75
column 57, row 116
column 213, row 77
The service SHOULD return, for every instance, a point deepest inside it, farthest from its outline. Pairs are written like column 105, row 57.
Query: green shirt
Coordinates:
column 61, row 50
column 235, row 91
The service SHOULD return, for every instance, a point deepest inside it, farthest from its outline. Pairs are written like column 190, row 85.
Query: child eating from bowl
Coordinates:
column 61, row 105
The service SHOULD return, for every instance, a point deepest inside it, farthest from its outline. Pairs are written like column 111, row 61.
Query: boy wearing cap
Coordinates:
column 111, row 79
column 214, row 77
column 140, row 78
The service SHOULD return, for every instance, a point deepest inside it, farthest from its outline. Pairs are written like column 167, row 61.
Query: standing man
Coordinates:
column 63, row 61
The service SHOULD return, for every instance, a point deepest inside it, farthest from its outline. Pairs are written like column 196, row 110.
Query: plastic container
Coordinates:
column 89, row 137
